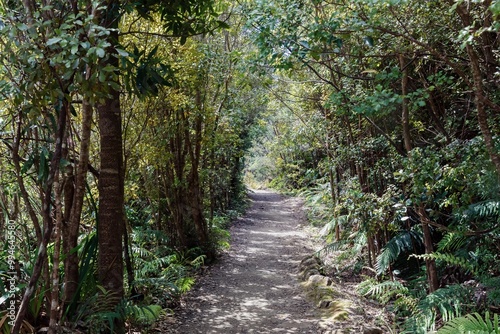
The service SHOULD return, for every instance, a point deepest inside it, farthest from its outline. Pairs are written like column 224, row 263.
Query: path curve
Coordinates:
column 254, row 287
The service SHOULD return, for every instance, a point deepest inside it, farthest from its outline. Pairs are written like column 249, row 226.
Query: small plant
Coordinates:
column 99, row 313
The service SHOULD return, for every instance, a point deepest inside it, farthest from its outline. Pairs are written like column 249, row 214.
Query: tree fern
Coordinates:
column 399, row 244
column 472, row 324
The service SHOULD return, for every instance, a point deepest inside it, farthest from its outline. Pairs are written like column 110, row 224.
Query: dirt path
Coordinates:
column 254, row 288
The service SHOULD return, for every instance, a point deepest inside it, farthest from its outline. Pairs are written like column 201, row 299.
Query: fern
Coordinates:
column 451, row 242
column 153, row 265
column 382, row 292
column 333, row 223
column 450, row 259
column 144, row 315
column 401, row 243
column 472, row 324
column 487, row 210
column 333, row 247
column 445, row 302
column 100, row 314
column 406, row 303
column 351, row 246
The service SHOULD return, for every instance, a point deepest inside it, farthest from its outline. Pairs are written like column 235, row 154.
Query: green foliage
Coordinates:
column 452, row 242
column 218, row 231
column 492, row 286
column 383, row 292
column 401, row 243
column 449, row 259
column 472, row 324
column 485, row 212
column 100, row 312
column 447, row 302
column 161, row 273
column 421, row 311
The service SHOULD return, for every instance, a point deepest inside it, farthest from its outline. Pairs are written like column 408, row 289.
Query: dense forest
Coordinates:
column 130, row 131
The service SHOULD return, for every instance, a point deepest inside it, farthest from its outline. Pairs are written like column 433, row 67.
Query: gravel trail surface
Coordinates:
column 254, row 286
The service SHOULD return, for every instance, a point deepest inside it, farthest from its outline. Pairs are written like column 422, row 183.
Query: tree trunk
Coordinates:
column 111, row 200
column 479, row 93
column 111, row 193
column 432, row 276
column 405, row 116
column 194, row 149
column 70, row 231
column 482, row 115
column 54, row 296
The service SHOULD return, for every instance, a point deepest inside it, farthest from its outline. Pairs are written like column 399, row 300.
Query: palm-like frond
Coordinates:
column 333, row 223
column 355, row 243
column 472, row 324
column 399, row 244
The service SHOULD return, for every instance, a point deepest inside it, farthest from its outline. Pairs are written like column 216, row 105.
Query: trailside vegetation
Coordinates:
column 385, row 117
column 123, row 129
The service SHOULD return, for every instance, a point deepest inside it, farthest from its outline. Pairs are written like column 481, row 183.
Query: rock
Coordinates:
column 304, row 276
column 310, row 261
column 319, row 280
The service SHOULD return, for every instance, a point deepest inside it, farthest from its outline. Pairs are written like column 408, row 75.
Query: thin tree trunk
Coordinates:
column 20, row 181
column 479, row 93
column 405, row 117
column 432, row 276
column 54, row 298
column 71, row 270
column 194, row 150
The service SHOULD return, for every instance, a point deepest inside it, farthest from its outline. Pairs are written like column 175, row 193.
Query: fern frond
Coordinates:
column 446, row 302
column 333, row 247
column 384, row 291
column 406, row 302
column 198, row 261
column 479, row 211
column 153, row 265
column 451, row 242
column 366, row 285
column 355, row 243
column 450, row 259
column 147, row 314
column 472, row 324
